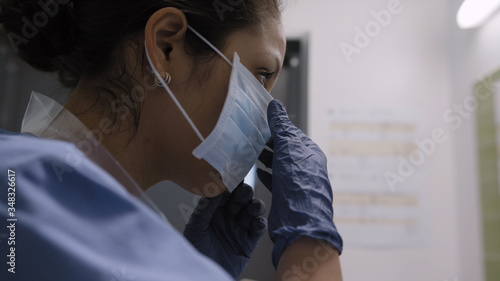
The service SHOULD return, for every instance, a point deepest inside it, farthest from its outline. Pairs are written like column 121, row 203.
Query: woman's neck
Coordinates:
column 117, row 136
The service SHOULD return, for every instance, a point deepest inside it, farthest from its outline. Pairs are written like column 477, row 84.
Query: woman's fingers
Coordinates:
column 240, row 197
column 253, row 210
column 202, row 215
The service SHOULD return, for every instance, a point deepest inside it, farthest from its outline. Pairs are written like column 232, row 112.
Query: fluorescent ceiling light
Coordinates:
column 473, row 13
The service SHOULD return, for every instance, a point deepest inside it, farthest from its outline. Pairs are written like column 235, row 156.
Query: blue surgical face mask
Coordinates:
column 241, row 132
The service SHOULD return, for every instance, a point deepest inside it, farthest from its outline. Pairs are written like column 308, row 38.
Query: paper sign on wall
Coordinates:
column 378, row 174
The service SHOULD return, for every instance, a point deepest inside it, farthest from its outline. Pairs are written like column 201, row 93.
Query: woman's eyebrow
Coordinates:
column 274, row 58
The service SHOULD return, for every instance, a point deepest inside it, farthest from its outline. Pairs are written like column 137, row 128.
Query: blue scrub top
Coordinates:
column 74, row 221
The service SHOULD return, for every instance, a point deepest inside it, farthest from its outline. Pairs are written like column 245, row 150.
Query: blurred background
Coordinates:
column 404, row 103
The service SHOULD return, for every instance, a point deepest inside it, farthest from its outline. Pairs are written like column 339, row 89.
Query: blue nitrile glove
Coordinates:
column 227, row 228
column 301, row 192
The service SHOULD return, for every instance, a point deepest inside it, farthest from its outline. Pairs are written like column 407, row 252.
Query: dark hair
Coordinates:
column 80, row 38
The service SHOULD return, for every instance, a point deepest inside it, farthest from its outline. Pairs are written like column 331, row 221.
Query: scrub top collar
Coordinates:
column 45, row 118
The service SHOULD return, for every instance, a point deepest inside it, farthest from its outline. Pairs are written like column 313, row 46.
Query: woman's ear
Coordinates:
column 165, row 34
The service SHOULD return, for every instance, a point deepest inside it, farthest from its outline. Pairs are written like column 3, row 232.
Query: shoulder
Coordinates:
column 29, row 145
column 72, row 214
column 48, row 161
column 24, row 148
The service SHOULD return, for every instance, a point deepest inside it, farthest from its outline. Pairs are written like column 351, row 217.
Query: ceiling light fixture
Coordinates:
column 474, row 13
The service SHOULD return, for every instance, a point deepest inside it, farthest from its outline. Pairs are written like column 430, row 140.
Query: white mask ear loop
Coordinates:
column 210, row 44
column 158, row 76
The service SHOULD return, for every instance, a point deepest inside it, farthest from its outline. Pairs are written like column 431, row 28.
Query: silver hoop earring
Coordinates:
column 168, row 79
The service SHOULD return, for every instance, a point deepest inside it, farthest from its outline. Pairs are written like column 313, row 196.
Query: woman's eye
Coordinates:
column 264, row 76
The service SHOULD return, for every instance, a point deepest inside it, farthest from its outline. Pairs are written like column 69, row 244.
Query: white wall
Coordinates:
column 412, row 63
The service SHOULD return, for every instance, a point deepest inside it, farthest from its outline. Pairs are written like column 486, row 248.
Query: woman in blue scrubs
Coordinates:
column 153, row 81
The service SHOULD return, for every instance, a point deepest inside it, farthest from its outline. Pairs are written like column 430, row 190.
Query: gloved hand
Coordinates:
column 227, row 228
column 301, row 192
